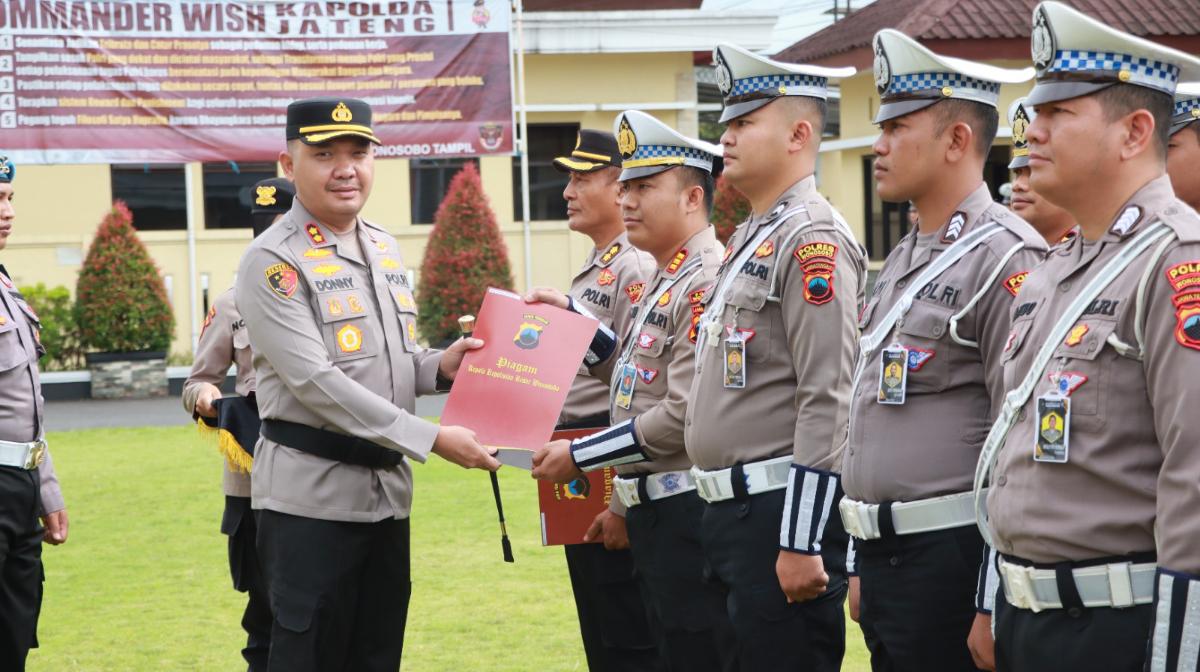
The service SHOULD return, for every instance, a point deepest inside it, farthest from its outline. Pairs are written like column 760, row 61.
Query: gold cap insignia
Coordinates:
column 1124, row 75
column 1195, row 115
column 947, row 91
column 266, row 196
column 626, row 140
column 342, row 114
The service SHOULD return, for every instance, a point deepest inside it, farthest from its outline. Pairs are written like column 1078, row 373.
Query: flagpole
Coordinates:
column 524, row 146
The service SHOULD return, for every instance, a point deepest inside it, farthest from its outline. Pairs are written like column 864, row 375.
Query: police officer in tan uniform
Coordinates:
column 774, row 354
column 667, row 188
column 612, row 620
column 1183, row 150
column 1093, row 500
column 224, row 342
column 1054, row 223
column 29, row 489
column 332, row 324
column 928, row 374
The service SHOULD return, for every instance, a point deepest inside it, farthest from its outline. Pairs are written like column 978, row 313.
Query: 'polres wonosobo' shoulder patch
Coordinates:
column 818, row 261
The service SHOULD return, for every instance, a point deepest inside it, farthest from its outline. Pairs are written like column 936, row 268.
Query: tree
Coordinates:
column 730, row 208
column 465, row 255
column 121, row 301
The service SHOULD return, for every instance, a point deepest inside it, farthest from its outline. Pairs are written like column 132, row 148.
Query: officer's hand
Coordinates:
column 453, row 356
column 981, row 644
column 547, row 295
column 204, row 401
column 854, row 598
column 553, row 462
column 459, row 445
column 802, row 577
column 56, row 527
column 611, row 528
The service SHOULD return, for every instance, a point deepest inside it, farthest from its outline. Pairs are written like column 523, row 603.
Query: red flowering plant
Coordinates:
column 464, row 256
column 730, row 208
column 121, row 303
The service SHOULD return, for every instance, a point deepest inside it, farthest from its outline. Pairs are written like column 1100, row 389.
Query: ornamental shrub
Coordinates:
column 730, row 208
column 59, row 333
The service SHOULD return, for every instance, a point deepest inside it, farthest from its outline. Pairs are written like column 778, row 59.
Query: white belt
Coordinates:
column 861, row 520
column 765, row 476
column 658, row 486
column 1117, row 585
column 23, row 455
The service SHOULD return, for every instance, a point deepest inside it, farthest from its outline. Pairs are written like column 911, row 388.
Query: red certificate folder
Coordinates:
column 512, row 389
column 569, row 508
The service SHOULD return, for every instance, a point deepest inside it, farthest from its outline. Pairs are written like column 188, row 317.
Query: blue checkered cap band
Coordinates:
column 690, row 155
column 1144, row 71
column 796, row 85
column 1185, row 107
column 963, row 86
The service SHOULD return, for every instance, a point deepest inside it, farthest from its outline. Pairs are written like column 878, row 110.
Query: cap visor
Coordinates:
column 569, row 165
column 1052, row 92
column 736, row 110
column 889, row 111
column 321, row 138
column 1018, row 162
column 643, row 171
column 1177, row 127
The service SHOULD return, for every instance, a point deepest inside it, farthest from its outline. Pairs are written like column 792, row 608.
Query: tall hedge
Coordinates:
column 730, row 208
column 465, row 255
column 121, row 300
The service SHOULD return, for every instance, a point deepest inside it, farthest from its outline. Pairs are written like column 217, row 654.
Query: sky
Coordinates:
column 797, row 18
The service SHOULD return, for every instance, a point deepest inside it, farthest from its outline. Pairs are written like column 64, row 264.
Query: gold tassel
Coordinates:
column 236, row 457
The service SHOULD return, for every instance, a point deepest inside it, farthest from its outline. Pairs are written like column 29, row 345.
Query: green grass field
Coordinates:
column 142, row 583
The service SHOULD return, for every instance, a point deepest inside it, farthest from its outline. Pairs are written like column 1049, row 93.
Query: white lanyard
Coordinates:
column 1016, row 399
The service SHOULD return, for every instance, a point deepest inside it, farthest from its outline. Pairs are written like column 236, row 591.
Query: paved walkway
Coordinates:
column 64, row 416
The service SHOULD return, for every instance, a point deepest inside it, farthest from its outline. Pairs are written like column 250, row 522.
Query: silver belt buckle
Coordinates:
column 36, row 455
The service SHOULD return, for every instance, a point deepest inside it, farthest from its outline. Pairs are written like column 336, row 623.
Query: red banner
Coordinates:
column 171, row 81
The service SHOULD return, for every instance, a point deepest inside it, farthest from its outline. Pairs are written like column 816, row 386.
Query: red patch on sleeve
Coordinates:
column 1014, row 282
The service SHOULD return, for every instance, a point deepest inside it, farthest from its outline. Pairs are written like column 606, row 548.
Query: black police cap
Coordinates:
column 273, row 196
column 318, row 120
column 593, row 150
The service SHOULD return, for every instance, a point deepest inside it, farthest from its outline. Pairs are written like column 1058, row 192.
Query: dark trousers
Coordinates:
column 695, row 632
column 613, row 621
column 1112, row 640
column 918, row 599
column 741, row 544
column 238, row 524
column 20, row 565
column 339, row 592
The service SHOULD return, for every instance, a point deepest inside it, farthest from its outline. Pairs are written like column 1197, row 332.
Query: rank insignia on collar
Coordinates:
column 918, row 358
column 611, row 254
column 635, row 291
column 606, row 278
column 697, row 296
column 645, row 341
column 1066, row 382
column 777, row 211
column 314, row 234
column 381, row 246
column 677, row 261
column 647, row 375
column 954, row 227
column 1014, row 282
column 282, row 279
column 665, row 298
column 1126, row 221
column 765, row 250
column 326, row 269
column 1076, row 336
column 728, row 253
column 317, row 253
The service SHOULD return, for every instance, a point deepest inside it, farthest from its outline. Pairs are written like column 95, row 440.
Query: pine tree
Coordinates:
column 730, row 208
column 465, row 255
column 121, row 301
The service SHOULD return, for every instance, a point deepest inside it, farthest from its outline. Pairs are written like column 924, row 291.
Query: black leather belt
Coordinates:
column 330, row 445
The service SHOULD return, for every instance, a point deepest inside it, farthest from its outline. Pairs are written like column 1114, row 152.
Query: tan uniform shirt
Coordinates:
column 606, row 287
column 929, row 445
column 21, row 415
column 663, row 354
column 334, row 341
column 1130, row 480
column 223, row 341
column 800, row 351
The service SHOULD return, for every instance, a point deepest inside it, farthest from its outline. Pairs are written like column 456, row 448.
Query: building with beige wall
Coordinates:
column 990, row 31
column 582, row 68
